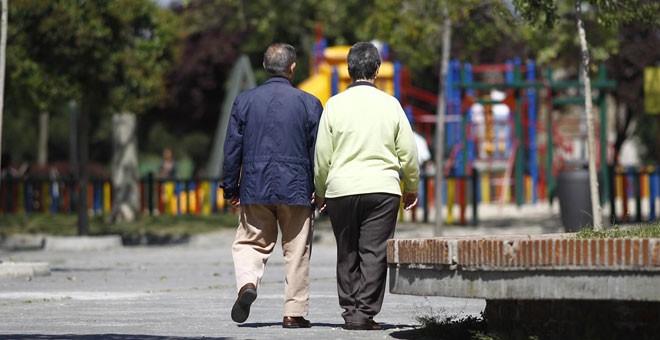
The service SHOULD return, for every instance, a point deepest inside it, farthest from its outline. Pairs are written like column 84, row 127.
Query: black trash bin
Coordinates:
column 574, row 196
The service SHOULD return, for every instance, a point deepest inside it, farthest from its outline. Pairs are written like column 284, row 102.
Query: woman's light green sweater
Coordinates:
column 364, row 145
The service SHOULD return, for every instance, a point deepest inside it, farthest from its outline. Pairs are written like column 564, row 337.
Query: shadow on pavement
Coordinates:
column 384, row 326
column 273, row 324
column 408, row 334
column 100, row 336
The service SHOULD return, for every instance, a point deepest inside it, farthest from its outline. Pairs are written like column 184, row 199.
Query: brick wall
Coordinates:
column 522, row 252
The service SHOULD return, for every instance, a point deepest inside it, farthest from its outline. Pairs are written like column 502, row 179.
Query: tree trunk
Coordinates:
column 42, row 148
column 73, row 139
column 125, row 174
column 440, row 121
column 3, row 54
column 593, row 177
column 83, row 174
column 622, row 132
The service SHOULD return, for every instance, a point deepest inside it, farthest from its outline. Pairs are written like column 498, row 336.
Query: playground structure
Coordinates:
column 329, row 72
column 489, row 160
column 513, row 147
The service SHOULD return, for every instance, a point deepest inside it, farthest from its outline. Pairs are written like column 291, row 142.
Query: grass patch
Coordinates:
column 66, row 225
column 649, row 230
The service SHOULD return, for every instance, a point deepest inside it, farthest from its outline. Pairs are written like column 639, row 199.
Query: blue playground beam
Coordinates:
column 533, row 145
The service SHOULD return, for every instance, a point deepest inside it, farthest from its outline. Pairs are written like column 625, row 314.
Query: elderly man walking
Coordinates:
column 268, row 173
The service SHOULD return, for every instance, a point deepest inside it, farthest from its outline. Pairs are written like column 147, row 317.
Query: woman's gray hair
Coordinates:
column 363, row 61
column 278, row 59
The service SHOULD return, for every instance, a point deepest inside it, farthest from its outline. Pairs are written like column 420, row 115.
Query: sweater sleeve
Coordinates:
column 322, row 154
column 406, row 150
column 315, row 111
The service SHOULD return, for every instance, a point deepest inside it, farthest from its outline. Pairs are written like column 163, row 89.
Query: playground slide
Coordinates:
column 321, row 85
column 318, row 85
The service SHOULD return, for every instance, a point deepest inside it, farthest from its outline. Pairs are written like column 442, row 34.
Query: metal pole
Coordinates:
column 440, row 121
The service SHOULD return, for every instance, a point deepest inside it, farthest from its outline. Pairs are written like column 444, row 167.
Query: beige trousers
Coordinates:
column 255, row 241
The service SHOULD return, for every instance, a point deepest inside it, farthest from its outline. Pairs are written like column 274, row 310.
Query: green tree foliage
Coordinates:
column 638, row 50
column 414, row 30
column 214, row 33
column 115, row 52
column 110, row 54
column 556, row 43
column 623, row 33
column 608, row 13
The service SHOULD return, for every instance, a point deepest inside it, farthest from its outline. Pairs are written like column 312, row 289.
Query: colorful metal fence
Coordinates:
column 635, row 196
column 170, row 197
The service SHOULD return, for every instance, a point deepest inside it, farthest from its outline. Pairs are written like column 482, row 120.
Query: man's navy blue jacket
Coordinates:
column 269, row 148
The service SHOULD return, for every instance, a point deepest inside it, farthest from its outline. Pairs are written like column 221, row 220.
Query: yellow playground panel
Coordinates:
column 334, row 58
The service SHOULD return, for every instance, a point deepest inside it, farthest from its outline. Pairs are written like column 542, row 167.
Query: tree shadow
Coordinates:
column 100, row 337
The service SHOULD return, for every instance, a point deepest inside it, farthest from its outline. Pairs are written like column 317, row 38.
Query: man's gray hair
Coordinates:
column 278, row 59
column 363, row 61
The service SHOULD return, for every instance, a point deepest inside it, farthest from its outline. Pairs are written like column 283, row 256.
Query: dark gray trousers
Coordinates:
column 362, row 224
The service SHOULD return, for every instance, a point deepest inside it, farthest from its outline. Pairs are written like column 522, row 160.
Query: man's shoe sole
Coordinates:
column 241, row 309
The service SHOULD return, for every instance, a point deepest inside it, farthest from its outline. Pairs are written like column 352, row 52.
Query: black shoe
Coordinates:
column 369, row 326
column 295, row 322
column 241, row 309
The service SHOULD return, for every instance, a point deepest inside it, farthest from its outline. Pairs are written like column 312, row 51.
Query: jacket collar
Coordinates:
column 361, row 82
column 278, row 79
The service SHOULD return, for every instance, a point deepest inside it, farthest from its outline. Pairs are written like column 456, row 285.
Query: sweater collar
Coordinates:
column 361, row 82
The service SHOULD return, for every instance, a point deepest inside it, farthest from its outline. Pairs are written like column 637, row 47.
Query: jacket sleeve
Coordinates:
column 406, row 150
column 233, row 152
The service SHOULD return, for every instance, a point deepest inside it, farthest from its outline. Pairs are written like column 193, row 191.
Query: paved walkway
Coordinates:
column 186, row 291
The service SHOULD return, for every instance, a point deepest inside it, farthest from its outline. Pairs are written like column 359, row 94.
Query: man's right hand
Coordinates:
column 235, row 202
column 320, row 204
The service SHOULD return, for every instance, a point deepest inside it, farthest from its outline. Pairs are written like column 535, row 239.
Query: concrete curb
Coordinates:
column 23, row 269
column 22, row 242
column 82, row 243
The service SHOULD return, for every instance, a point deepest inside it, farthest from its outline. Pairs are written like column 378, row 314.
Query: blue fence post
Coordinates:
column 475, row 197
column 98, row 196
column 54, row 196
column 452, row 91
column 652, row 192
column 29, row 193
column 657, row 186
column 637, row 189
column 177, row 196
column 214, row 196
column 425, row 202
